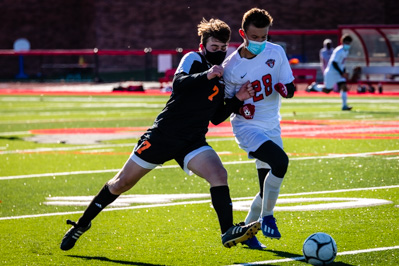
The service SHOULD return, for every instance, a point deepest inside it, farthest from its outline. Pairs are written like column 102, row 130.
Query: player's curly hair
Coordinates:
column 260, row 18
column 214, row 28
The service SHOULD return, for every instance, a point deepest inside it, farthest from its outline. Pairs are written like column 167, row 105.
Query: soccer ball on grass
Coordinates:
column 319, row 249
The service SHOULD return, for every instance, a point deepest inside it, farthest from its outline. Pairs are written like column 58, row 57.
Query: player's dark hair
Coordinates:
column 260, row 18
column 214, row 28
column 346, row 38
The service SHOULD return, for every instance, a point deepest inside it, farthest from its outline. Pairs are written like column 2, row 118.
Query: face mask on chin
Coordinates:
column 215, row 58
column 256, row 47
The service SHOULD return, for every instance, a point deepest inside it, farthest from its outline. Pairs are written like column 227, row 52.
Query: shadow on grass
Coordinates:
column 10, row 138
column 287, row 255
column 114, row 261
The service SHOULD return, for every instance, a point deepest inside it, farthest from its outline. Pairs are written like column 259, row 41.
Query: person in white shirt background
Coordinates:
column 335, row 73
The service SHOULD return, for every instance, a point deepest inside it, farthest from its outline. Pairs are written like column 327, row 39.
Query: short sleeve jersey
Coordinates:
column 339, row 56
column 265, row 70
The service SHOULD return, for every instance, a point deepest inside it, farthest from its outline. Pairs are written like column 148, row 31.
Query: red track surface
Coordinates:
column 322, row 129
column 325, row 129
column 106, row 89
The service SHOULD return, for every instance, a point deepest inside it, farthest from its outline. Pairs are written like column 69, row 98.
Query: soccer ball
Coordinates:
column 319, row 249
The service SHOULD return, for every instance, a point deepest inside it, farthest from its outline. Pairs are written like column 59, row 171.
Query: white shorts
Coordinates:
column 251, row 138
column 187, row 158
column 331, row 78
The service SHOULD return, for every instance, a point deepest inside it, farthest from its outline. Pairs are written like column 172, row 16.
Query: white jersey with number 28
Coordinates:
column 265, row 70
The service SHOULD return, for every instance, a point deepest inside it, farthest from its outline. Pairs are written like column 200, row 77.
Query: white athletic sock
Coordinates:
column 271, row 190
column 344, row 96
column 254, row 212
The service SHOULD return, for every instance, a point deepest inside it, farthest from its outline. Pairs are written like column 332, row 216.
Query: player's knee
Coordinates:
column 218, row 177
column 280, row 166
column 120, row 183
column 222, row 174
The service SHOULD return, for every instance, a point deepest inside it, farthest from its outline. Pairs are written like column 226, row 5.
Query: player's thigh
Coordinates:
column 208, row 165
column 127, row 177
column 251, row 138
column 275, row 136
column 330, row 79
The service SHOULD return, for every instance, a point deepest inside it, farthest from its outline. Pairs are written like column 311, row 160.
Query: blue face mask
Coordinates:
column 256, row 47
column 346, row 47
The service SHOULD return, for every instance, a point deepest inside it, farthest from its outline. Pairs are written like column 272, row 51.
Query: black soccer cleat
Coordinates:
column 311, row 87
column 73, row 234
column 239, row 233
column 346, row 108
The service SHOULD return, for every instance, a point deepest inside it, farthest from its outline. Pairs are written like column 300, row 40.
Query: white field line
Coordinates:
column 15, row 132
column 331, row 156
column 344, row 253
column 324, row 192
column 107, row 209
column 86, row 147
column 187, row 202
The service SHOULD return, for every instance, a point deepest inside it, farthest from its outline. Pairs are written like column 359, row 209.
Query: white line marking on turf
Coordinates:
column 124, row 200
column 337, row 191
column 326, row 192
column 69, row 148
column 106, row 209
column 340, row 203
column 86, row 147
column 344, row 253
column 15, row 133
column 182, row 203
column 332, row 156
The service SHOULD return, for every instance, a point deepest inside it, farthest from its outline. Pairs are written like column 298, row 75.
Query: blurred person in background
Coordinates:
column 335, row 73
column 325, row 54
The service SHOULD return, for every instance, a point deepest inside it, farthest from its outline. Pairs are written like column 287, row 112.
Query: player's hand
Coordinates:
column 247, row 111
column 345, row 75
column 245, row 92
column 280, row 88
column 215, row 71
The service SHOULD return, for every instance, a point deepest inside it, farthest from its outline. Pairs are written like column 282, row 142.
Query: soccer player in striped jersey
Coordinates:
column 257, row 124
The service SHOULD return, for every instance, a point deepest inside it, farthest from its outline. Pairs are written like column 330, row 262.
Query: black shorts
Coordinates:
column 154, row 148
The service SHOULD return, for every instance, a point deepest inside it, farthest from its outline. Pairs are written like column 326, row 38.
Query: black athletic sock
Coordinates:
column 262, row 173
column 221, row 201
column 99, row 202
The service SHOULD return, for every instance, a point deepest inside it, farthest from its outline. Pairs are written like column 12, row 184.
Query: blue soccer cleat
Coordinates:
column 253, row 243
column 269, row 227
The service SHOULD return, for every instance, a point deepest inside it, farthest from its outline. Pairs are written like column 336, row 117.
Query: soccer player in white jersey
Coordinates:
column 335, row 72
column 257, row 125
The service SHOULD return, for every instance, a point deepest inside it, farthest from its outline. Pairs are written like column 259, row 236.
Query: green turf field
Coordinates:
column 343, row 179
